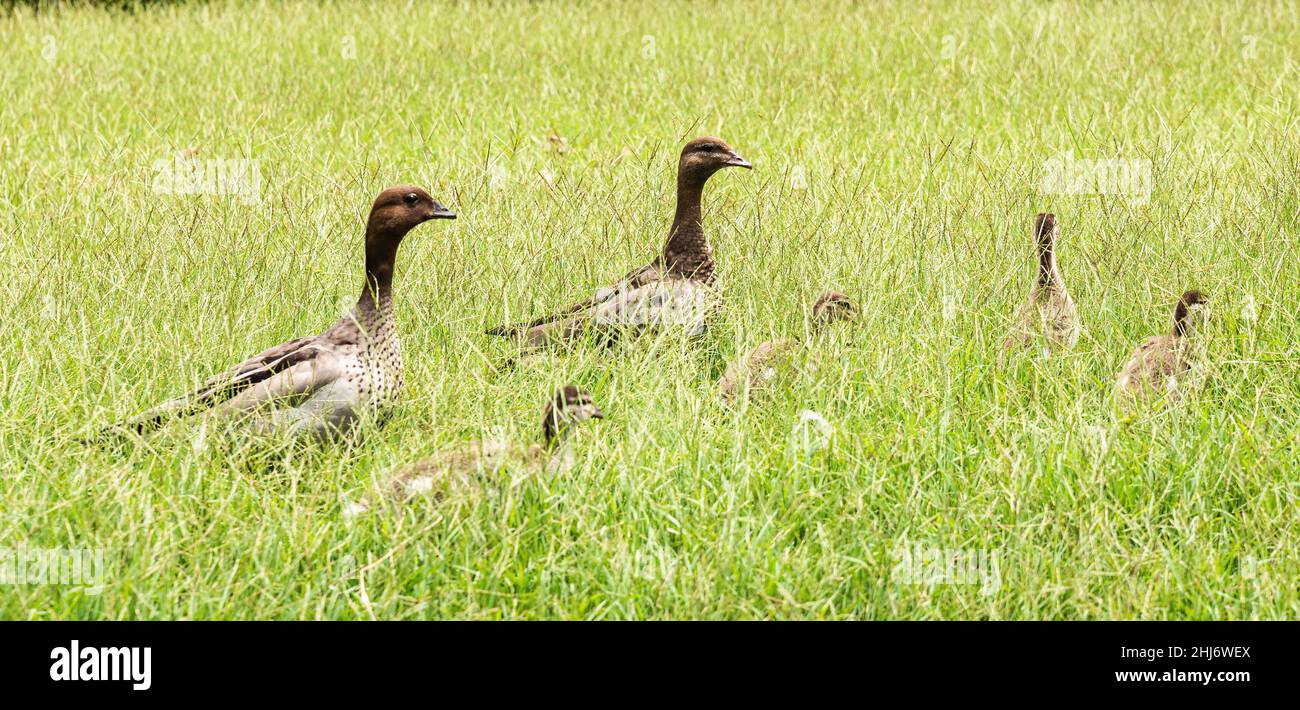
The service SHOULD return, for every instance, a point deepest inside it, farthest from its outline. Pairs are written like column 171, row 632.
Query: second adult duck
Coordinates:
column 673, row 290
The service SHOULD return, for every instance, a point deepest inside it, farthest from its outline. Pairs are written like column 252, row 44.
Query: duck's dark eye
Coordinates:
column 707, row 148
column 411, row 198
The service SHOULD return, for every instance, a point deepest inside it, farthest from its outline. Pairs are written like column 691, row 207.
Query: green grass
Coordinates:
column 923, row 158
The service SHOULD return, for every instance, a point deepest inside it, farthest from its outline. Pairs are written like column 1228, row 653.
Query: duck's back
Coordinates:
column 757, row 369
column 1059, row 320
column 1156, row 360
column 665, row 303
column 1049, row 313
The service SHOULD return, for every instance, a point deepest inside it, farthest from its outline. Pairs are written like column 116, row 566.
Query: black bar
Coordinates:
column 324, row 659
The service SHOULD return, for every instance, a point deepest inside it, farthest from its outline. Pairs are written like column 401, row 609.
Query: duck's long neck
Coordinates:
column 552, row 432
column 1049, row 278
column 687, row 252
column 376, row 297
column 556, row 449
column 1184, row 326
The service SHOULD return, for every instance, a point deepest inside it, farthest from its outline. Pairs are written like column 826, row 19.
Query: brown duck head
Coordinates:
column 703, row 157
column 395, row 212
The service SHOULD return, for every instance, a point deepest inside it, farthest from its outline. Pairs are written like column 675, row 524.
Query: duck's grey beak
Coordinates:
column 440, row 212
column 596, row 413
column 739, row 162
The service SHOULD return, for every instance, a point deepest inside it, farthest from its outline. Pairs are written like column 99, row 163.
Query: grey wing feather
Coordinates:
column 288, row 385
column 230, row 383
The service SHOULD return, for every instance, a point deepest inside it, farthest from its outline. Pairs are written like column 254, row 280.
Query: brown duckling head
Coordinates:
column 832, row 307
column 570, row 406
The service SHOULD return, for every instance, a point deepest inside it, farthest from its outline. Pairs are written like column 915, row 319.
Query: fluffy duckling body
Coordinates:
column 1162, row 359
column 463, row 469
column 321, row 385
column 1049, row 312
column 774, row 359
column 675, row 289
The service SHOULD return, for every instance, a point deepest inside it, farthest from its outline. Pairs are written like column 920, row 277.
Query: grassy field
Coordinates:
column 899, row 155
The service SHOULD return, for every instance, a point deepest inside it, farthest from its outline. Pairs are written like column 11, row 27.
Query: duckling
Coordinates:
column 1162, row 359
column 321, row 385
column 463, row 469
column 766, row 363
column 673, row 290
column 1050, row 310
